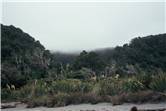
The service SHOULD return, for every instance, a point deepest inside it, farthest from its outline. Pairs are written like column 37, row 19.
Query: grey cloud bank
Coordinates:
column 63, row 26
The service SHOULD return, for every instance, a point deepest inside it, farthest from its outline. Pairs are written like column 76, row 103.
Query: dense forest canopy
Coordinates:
column 146, row 52
column 23, row 58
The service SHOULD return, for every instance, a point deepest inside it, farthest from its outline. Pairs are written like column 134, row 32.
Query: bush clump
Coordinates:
column 110, row 86
column 132, row 85
column 70, row 86
column 159, row 83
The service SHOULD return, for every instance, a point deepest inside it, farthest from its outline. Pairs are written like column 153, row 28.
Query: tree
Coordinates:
column 89, row 60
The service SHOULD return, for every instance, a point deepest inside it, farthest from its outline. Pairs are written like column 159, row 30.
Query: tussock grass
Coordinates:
column 73, row 91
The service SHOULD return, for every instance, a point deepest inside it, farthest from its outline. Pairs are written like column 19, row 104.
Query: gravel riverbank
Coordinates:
column 90, row 107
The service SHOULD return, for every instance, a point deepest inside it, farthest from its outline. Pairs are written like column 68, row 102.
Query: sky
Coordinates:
column 69, row 26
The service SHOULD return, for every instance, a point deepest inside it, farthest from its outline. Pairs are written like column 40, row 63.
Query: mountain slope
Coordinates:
column 149, row 53
column 22, row 56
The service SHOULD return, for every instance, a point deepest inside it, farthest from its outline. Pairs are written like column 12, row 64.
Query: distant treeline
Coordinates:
column 23, row 59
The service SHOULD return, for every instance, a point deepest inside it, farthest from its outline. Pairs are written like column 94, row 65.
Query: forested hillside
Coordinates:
column 24, row 58
column 134, row 72
column 143, row 53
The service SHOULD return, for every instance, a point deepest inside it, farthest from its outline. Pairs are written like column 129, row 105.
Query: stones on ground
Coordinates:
column 9, row 105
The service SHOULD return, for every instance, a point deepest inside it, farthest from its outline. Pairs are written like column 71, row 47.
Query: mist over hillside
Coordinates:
column 24, row 58
column 134, row 72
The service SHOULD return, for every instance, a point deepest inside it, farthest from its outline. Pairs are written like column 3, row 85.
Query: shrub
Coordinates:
column 5, row 94
column 144, row 78
column 143, row 96
column 40, row 101
column 158, row 83
column 65, row 86
column 86, row 87
column 40, row 88
column 110, row 86
column 61, row 99
column 132, row 85
column 70, row 86
column 90, row 98
column 96, row 88
column 77, row 98
column 33, row 89
column 10, row 95
column 82, row 74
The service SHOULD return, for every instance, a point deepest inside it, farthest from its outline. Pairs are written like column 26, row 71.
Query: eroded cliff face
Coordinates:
column 22, row 57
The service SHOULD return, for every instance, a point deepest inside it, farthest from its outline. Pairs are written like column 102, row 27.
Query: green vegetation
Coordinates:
column 133, row 85
column 72, row 91
column 134, row 72
column 159, row 83
column 23, row 58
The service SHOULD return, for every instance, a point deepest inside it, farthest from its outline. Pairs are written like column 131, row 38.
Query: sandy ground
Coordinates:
column 90, row 107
